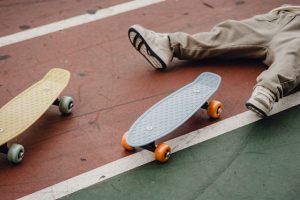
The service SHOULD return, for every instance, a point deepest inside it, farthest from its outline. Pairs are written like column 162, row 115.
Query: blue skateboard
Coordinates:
column 170, row 113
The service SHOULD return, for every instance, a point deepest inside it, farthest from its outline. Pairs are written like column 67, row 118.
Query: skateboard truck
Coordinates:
column 65, row 104
column 15, row 152
column 150, row 147
column 56, row 102
column 162, row 156
column 205, row 105
column 4, row 148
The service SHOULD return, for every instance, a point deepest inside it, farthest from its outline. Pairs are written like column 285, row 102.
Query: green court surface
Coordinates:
column 257, row 161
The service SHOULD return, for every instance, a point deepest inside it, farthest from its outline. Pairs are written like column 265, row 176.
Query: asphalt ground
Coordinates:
column 112, row 85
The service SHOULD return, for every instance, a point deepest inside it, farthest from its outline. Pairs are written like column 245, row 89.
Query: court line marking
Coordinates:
column 143, row 157
column 75, row 21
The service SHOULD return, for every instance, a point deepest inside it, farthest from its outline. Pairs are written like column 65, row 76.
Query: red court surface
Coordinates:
column 111, row 83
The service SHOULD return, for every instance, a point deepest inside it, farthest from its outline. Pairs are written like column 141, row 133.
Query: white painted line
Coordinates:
column 75, row 21
column 130, row 162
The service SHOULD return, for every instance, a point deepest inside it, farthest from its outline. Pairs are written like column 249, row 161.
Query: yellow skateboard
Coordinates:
column 26, row 108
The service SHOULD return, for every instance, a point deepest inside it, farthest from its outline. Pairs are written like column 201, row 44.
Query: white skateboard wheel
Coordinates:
column 15, row 153
column 66, row 105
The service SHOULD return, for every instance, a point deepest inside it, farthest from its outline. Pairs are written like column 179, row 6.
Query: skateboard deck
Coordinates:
column 26, row 108
column 172, row 111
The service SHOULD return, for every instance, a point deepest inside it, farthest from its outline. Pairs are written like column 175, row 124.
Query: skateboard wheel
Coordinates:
column 162, row 152
column 124, row 143
column 214, row 109
column 66, row 105
column 15, row 153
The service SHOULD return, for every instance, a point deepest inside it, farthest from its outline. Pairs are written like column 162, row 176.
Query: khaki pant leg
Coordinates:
column 283, row 75
column 230, row 39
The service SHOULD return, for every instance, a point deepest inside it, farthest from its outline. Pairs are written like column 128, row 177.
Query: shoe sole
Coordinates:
column 139, row 43
column 256, row 110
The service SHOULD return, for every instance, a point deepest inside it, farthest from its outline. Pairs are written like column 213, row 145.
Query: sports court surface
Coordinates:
column 238, row 156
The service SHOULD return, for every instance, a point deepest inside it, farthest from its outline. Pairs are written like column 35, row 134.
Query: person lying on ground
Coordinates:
column 273, row 37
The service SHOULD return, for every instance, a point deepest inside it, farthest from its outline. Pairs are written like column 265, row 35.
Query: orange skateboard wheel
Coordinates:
column 124, row 143
column 162, row 152
column 214, row 109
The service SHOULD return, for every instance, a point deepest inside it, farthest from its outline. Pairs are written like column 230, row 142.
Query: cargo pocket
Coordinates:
column 270, row 17
column 287, row 84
